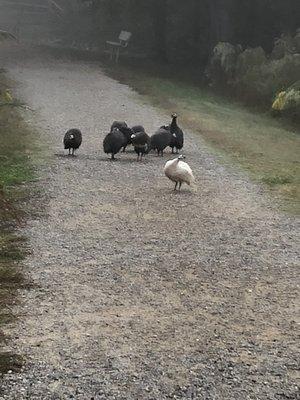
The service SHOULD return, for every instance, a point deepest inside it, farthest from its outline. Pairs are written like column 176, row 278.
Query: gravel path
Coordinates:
column 142, row 293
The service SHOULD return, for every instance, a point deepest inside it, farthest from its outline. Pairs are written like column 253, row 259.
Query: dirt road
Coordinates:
column 142, row 293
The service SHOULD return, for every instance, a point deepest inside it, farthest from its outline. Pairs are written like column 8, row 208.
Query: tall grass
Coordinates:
column 16, row 146
column 264, row 147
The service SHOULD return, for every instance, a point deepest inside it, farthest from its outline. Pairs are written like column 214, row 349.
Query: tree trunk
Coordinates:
column 160, row 28
column 220, row 21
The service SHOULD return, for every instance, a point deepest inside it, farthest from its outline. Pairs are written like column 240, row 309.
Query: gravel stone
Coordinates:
column 140, row 292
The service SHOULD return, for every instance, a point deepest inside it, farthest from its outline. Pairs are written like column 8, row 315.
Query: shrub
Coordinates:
column 255, row 77
column 260, row 83
column 288, row 102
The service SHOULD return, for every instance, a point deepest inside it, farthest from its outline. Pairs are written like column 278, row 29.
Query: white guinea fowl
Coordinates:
column 179, row 171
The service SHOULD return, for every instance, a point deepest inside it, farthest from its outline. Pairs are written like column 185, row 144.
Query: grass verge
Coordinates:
column 15, row 170
column 263, row 146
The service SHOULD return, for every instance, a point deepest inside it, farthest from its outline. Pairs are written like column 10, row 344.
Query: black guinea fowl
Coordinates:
column 138, row 128
column 177, row 135
column 141, row 143
column 118, row 124
column 72, row 140
column 113, row 142
column 124, row 128
column 127, row 132
column 160, row 140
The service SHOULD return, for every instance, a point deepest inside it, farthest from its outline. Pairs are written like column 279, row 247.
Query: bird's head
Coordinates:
column 181, row 157
column 174, row 115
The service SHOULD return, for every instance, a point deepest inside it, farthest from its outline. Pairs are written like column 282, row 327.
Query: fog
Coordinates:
column 171, row 30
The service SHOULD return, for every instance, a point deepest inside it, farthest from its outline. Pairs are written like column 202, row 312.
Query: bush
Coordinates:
column 249, row 59
column 260, row 83
column 252, row 75
column 288, row 102
column 222, row 66
column 282, row 46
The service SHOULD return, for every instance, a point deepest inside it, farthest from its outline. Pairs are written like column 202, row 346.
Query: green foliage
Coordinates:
column 259, row 83
column 16, row 150
column 287, row 102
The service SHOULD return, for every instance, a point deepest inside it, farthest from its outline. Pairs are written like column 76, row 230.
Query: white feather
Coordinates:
column 179, row 171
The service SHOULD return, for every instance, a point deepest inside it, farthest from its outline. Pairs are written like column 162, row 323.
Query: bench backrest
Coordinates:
column 124, row 37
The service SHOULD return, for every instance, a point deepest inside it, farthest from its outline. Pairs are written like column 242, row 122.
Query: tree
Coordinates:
column 159, row 17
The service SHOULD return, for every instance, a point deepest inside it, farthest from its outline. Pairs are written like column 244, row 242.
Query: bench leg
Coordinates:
column 117, row 55
column 111, row 53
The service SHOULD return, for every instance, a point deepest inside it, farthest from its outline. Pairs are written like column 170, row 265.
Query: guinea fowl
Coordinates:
column 118, row 124
column 113, row 142
column 177, row 135
column 179, row 172
column 138, row 128
column 141, row 143
column 160, row 140
column 72, row 140
column 127, row 132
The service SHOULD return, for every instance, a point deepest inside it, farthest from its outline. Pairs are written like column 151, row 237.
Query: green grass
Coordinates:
column 16, row 152
column 12, row 251
column 261, row 145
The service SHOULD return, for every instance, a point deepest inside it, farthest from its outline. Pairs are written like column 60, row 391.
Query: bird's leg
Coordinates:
column 180, row 183
column 73, row 152
column 124, row 148
column 112, row 156
column 69, row 151
column 172, row 150
column 175, row 186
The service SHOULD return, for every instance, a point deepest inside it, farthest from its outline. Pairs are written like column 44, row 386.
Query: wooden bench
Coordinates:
column 115, row 47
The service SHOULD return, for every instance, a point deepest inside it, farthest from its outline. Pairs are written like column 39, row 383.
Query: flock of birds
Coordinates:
column 121, row 135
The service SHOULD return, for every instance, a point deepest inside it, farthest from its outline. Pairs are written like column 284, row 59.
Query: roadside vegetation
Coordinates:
column 15, row 170
column 267, row 148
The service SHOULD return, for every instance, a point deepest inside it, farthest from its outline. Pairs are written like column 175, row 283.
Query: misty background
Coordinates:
column 251, row 36
column 173, row 30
